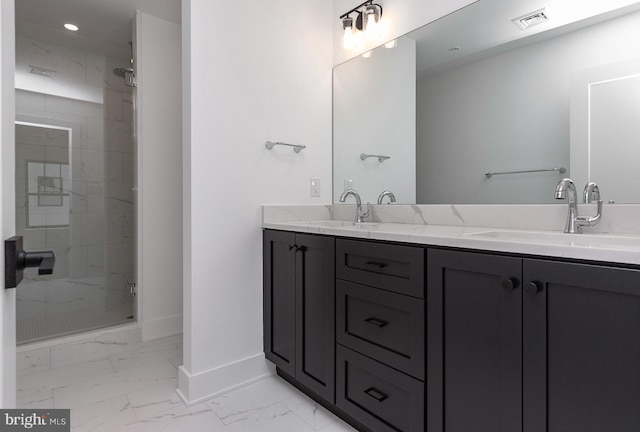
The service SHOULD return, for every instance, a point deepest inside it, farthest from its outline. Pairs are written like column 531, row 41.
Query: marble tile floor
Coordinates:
column 116, row 382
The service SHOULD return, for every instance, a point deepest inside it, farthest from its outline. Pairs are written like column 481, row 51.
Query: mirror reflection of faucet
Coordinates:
column 360, row 215
column 591, row 193
column 567, row 189
column 386, row 193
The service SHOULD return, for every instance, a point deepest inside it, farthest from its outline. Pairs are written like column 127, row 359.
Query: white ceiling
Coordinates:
column 106, row 22
column 487, row 25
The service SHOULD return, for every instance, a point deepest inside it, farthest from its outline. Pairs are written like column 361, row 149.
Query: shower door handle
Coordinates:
column 16, row 260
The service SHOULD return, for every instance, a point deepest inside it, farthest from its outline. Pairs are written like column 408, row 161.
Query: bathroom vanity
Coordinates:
column 399, row 327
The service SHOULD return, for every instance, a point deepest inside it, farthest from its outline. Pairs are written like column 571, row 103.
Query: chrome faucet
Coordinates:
column 386, row 193
column 567, row 189
column 591, row 192
column 360, row 215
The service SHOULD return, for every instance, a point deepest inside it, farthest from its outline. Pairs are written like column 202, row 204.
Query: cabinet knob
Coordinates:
column 297, row 248
column 510, row 283
column 533, row 287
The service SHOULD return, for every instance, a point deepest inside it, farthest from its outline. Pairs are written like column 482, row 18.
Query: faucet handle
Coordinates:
column 590, row 220
column 364, row 214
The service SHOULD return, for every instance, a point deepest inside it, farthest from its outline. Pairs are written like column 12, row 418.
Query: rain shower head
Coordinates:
column 128, row 75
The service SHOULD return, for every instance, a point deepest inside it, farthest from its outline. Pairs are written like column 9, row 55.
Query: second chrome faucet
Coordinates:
column 567, row 189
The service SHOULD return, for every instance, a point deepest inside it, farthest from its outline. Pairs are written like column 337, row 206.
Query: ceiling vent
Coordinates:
column 531, row 19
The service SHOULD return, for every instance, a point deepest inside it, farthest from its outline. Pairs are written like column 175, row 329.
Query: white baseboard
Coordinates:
column 162, row 327
column 195, row 388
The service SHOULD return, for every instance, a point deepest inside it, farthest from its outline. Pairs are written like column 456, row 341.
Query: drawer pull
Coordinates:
column 376, row 264
column 376, row 394
column 377, row 322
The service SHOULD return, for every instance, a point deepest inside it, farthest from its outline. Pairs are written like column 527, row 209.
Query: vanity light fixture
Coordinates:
column 391, row 44
column 368, row 54
column 71, row 27
column 365, row 21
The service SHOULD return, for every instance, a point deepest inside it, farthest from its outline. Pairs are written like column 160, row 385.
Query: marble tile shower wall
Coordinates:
column 94, row 255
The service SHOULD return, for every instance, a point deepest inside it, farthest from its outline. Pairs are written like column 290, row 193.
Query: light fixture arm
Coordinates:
column 357, row 9
column 346, row 14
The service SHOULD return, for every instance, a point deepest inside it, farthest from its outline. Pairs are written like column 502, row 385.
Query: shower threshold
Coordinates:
column 64, row 324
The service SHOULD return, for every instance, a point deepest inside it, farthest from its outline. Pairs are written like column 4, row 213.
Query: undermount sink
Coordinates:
column 582, row 240
column 337, row 223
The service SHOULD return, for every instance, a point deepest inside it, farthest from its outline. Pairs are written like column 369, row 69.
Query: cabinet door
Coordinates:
column 279, row 299
column 581, row 348
column 315, row 314
column 474, row 342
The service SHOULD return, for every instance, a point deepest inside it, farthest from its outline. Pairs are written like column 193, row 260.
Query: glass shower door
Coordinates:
column 52, row 213
column 74, row 188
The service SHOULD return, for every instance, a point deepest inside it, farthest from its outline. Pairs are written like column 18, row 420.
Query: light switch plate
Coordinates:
column 315, row 187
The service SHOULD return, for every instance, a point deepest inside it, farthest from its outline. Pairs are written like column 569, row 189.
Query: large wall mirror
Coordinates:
column 474, row 109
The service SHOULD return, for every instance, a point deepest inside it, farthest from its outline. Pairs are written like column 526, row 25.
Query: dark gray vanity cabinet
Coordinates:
column 518, row 344
column 581, row 347
column 299, row 308
column 408, row 338
column 380, row 363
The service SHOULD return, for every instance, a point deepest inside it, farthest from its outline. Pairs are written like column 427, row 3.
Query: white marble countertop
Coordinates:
column 597, row 247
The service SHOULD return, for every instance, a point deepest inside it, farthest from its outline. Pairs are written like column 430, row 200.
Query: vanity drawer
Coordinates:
column 390, row 267
column 378, row 396
column 385, row 326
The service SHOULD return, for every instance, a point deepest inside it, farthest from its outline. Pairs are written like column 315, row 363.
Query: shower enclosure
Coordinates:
column 74, row 187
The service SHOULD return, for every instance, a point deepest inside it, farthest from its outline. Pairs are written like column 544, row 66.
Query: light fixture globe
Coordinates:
column 349, row 37
column 371, row 18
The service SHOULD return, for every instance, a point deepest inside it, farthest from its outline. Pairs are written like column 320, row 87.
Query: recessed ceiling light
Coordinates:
column 71, row 27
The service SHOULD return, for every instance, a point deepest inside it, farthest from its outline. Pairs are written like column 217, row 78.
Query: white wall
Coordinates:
column 509, row 112
column 7, row 215
column 368, row 93
column 159, row 165
column 399, row 17
column 253, row 72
